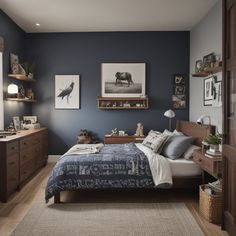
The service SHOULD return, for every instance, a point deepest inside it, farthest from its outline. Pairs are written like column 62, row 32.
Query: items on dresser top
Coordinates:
column 21, row 155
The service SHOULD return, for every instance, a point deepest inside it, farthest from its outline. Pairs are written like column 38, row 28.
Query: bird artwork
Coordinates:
column 66, row 92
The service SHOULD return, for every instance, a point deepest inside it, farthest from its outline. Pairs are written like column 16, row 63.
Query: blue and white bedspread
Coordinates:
column 115, row 166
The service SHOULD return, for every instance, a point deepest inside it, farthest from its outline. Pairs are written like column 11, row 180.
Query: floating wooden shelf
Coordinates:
column 128, row 103
column 208, row 71
column 21, row 100
column 21, row 77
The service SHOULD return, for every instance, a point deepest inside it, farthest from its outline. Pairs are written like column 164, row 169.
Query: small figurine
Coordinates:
column 139, row 130
column 114, row 131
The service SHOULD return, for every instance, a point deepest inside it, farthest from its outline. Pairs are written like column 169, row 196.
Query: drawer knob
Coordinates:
column 12, row 148
column 199, row 159
column 12, row 163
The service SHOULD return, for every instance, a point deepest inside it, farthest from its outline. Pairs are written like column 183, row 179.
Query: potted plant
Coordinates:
column 214, row 141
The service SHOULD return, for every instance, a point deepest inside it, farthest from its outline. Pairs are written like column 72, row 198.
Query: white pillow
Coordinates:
column 154, row 140
column 188, row 154
column 169, row 133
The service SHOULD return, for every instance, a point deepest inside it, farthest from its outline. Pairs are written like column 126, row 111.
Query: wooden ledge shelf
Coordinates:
column 121, row 103
column 21, row 77
column 21, row 100
column 208, row 71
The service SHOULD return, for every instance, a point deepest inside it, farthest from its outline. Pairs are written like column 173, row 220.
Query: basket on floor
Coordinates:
column 210, row 206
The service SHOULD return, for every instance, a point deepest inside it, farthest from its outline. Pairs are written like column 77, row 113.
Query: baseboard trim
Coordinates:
column 53, row 158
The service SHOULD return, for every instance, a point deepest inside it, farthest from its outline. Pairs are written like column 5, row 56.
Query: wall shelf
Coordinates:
column 21, row 100
column 128, row 103
column 208, row 71
column 21, row 77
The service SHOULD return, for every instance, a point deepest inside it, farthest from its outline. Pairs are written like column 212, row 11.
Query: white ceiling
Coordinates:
column 106, row 15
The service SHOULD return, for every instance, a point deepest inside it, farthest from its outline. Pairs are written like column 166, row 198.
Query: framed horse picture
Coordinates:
column 123, row 79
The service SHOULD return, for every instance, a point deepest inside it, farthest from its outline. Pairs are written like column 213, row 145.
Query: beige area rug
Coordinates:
column 109, row 219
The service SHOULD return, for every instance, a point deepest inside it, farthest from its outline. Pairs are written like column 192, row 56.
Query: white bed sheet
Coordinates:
column 183, row 167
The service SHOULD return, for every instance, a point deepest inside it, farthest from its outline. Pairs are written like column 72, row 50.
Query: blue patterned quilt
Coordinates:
column 115, row 166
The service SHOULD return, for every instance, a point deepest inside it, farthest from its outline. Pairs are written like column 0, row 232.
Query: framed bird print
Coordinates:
column 67, row 92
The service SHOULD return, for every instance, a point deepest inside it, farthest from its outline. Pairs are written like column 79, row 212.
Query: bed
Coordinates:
column 126, row 166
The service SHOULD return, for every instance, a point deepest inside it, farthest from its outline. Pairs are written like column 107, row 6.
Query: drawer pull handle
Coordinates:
column 11, row 163
column 200, row 160
column 12, row 179
column 12, row 148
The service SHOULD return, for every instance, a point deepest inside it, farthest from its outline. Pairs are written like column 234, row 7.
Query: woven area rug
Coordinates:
column 109, row 219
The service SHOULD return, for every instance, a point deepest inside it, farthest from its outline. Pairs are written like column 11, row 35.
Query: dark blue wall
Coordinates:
column 164, row 53
column 14, row 42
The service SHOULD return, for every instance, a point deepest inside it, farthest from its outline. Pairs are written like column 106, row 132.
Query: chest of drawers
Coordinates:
column 21, row 155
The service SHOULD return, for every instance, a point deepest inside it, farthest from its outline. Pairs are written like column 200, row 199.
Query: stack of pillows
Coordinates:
column 173, row 145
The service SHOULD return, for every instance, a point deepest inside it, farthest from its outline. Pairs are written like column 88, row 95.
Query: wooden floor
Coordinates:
column 12, row 212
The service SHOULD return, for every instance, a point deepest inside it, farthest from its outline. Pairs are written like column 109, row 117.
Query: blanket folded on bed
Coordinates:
column 115, row 166
column 84, row 149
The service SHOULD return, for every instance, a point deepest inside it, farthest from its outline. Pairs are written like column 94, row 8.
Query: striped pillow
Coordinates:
column 154, row 140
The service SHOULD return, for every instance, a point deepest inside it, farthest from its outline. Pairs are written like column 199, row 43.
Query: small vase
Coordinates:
column 214, row 147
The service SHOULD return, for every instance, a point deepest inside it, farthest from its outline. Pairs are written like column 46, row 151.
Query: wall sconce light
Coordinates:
column 12, row 89
column 169, row 114
column 200, row 120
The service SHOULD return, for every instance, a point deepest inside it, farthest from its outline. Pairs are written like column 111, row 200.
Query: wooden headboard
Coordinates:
column 198, row 132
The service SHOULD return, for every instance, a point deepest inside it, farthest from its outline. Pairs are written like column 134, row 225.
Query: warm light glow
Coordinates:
column 12, row 88
column 37, row 24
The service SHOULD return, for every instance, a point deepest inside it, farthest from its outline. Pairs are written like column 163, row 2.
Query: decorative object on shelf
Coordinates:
column 122, row 133
column 169, row 114
column 29, row 69
column 114, row 131
column 139, row 130
column 14, row 61
column 179, row 92
column 209, row 60
column 199, row 66
column 12, row 89
column 67, row 92
column 29, row 93
column 123, row 79
column 208, row 90
column 123, row 103
column 30, row 119
column 16, row 122
column 200, row 120
column 21, row 93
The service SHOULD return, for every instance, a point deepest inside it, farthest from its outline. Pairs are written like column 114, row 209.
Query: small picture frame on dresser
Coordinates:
column 16, row 122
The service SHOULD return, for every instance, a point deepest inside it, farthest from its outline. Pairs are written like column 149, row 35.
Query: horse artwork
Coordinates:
column 123, row 76
column 123, row 79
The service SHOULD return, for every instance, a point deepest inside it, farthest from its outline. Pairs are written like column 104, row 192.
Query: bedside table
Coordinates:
column 211, row 166
column 123, row 139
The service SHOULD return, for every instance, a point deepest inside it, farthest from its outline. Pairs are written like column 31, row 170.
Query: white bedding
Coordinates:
column 160, row 167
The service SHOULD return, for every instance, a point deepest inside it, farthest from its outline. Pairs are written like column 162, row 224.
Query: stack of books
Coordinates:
column 213, row 154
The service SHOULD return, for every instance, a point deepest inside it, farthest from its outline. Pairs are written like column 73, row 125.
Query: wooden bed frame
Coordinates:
column 199, row 133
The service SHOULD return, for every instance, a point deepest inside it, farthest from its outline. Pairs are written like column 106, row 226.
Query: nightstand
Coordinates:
column 116, row 139
column 210, row 166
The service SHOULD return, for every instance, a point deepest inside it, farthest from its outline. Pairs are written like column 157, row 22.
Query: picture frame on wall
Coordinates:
column 217, row 94
column 179, row 91
column 208, row 91
column 67, row 91
column 123, row 79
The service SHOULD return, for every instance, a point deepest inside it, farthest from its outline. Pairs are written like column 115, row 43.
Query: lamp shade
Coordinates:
column 200, row 120
column 12, row 88
column 169, row 114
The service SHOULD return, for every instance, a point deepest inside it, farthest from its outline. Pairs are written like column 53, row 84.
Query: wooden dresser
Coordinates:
column 21, row 155
column 116, row 139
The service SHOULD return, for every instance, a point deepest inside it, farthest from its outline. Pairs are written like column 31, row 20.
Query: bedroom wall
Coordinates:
column 164, row 53
column 14, row 41
column 205, row 37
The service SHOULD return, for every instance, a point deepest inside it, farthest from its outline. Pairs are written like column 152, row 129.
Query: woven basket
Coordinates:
column 210, row 206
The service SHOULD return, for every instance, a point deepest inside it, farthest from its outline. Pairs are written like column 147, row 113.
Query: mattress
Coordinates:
column 183, row 167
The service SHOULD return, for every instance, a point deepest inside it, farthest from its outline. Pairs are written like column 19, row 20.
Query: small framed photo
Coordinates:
column 30, row 119
column 209, row 58
column 217, row 94
column 179, row 91
column 198, row 66
column 208, row 91
column 16, row 122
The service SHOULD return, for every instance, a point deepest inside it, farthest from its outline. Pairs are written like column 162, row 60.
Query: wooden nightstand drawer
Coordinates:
column 211, row 165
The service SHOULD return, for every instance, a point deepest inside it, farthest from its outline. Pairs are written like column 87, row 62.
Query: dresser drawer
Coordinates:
column 13, row 163
column 203, row 162
column 12, row 147
column 25, row 142
column 26, row 170
column 12, row 182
